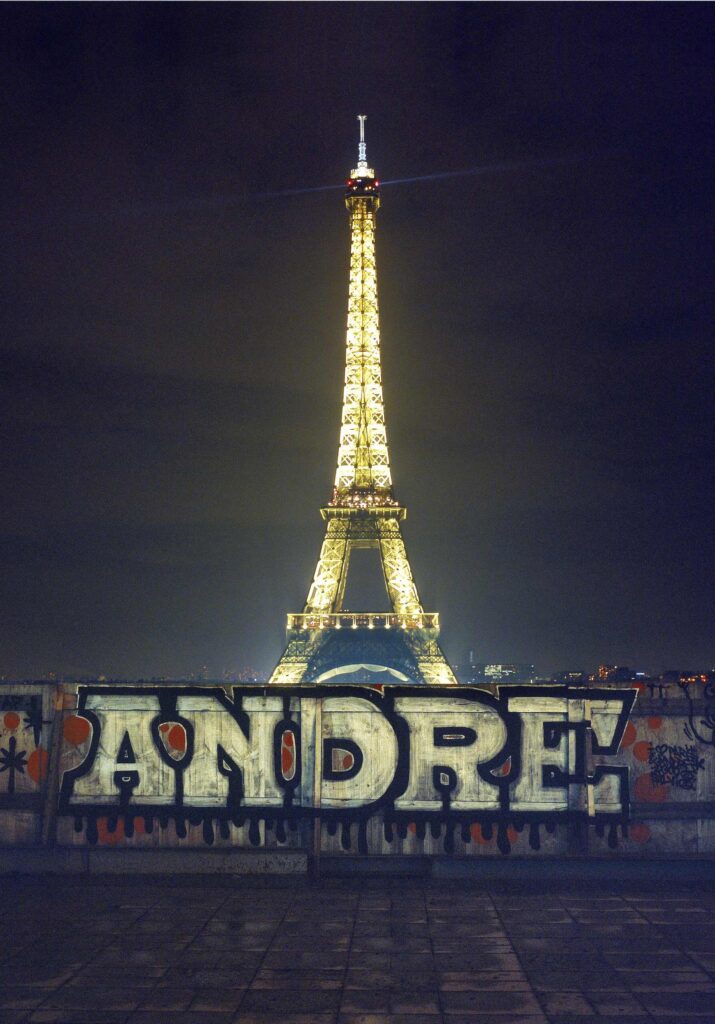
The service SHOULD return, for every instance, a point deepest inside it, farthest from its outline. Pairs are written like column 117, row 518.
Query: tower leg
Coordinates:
column 398, row 575
column 430, row 657
column 328, row 586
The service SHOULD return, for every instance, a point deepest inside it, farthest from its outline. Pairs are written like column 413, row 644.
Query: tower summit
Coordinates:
column 325, row 641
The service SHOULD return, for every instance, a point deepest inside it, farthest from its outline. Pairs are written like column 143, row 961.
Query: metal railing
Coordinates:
column 364, row 620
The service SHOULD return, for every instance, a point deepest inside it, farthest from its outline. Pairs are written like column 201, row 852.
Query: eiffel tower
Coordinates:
column 326, row 643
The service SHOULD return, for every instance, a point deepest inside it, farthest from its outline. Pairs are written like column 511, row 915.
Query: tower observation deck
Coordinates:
column 325, row 642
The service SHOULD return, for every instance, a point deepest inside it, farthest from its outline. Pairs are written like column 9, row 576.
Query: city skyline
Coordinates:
column 174, row 339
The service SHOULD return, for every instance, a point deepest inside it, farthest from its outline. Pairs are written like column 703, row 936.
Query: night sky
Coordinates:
column 173, row 332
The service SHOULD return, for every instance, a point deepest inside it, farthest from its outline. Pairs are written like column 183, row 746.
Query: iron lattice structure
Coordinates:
column 363, row 511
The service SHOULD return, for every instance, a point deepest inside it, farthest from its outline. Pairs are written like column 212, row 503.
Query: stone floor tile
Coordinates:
column 179, row 1017
column 678, row 1004
column 360, row 1000
column 650, row 961
column 414, row 1002
column 167, row 999
column 205, row 977
column 490, row 1002
column 19, row 997
column 37, row 975
column 494, row 1018
column 267, row 1017
column 280, row 1001
column 470, row 981
column 317, row 959
column 669, row 981
column 598, row 1019
column 411, row 960
column 358, row 977
column 100, row 974
column 570, row 1004
column 297, row 979
column 614, row 1003
column 223, row 1000
column 76, row 1016
column 98, row 998
column 390, row 1018
column 567, row 981
column 477, row 962
column 704, row 960
column 411, row 982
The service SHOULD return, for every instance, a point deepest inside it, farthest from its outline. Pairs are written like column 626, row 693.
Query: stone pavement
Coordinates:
column 123, row 950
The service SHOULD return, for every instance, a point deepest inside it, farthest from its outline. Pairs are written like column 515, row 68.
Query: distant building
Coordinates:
column 618, row 674
column 573, row 677
column 511, row 672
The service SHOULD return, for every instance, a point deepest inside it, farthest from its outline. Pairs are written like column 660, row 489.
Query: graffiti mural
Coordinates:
column 23, row 761
column 675, row 765
column 457, row 762
column 701, row 720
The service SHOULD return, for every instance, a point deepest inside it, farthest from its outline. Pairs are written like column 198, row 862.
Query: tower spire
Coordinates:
column 363, row 512
column 362, row 151
column 362, row 170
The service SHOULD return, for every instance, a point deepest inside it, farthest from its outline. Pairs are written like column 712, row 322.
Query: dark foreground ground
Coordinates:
column 358, row 951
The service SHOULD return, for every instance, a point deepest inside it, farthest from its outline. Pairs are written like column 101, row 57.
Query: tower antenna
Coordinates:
column 362, row 149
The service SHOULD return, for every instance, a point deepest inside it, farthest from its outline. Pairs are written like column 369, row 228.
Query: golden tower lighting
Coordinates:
column 363, row 511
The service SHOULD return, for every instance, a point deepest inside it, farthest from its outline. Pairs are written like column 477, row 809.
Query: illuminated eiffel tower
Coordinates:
column 325, row 642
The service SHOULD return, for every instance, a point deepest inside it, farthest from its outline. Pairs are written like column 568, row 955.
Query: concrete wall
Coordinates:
column 529, row 771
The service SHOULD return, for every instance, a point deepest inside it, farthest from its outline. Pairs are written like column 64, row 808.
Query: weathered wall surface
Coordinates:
column 27, row 714
column 536, row 770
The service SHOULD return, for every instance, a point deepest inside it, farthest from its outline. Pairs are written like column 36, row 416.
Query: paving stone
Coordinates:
column 670, row 981
column 37, row 975
column 166, row 999
column 704, row 960
column 570, row 1004
column 144, row 977
column 19, row 997
column 99, row 998
column 615, row 1003
column 390, row 1018
column 365, row 1001
column 477, row 962
column 598, row 1019
column 179, row 1017
column 470, row 981
column 358, row 977
column 284, row 960
column 495, row 1018
column 204, row 977
column 267, row 1017
column 678, row 1004
column 651, row 961
column 558, row 981
column 221, row 1000
column 402, row 1002
column 280, row 1001
column 76, row 1016
column 297, row 979
column 490, row 1002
